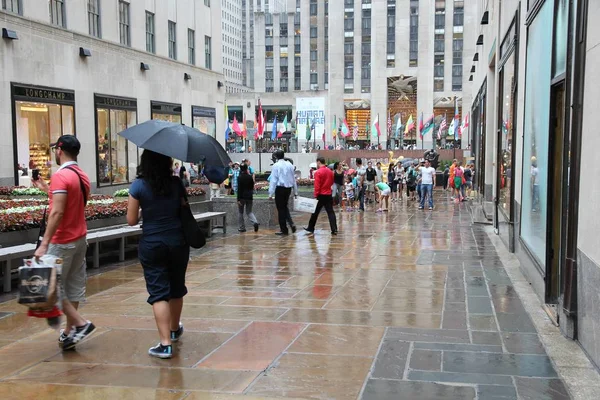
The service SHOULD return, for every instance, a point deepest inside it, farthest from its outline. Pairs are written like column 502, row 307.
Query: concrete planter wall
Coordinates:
column 264, row 209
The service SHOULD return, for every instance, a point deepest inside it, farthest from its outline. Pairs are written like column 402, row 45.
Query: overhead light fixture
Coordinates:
column 480, row 40
column 471, row 78
column 472, row 69
column 187, row 77
column 10, row 35
column 84, row 52
column 485, row 19
column 476, row 57
column 144, row 67
column 219, row 84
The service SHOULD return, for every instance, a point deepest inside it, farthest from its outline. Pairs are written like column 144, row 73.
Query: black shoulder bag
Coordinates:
column 191, row 232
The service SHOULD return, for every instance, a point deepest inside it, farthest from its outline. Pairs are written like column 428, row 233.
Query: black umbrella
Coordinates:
column 178, row 141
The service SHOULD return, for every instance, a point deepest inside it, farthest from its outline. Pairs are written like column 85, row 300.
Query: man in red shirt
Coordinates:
column 65, row 235
column 323, row 184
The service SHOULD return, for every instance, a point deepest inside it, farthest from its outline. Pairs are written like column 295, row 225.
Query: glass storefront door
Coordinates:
column 42, row 115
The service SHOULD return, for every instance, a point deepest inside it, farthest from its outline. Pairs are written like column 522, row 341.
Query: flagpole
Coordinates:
column 378, row 131
column 453, row 132
column 422, row 122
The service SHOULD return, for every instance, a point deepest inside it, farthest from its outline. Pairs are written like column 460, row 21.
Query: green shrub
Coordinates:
column 122, row 193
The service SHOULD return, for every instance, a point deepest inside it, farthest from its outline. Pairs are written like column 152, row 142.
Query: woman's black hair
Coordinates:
column 156, row 169
column 336, row 165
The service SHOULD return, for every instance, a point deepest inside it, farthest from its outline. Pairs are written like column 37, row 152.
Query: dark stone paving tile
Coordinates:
column 403, row 390
column 451, row 377
column 508, row 305
column 492, row 338
column 541, row 389
column 428, row 335
column 482, row 323
column 515, row 322
column 489, row 392
column 524, row 343
column 498, row 364
column 502, row 291
column 391, row 359
column 426, row 360
column 479, row 305
column 455, row 282
column 459, row 347
column 5, row 314
column 455, row 295
column 455, row 306
column 454, row 320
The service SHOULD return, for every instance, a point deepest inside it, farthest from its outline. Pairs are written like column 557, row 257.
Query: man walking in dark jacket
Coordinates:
column 323, row 183
column 245, row 193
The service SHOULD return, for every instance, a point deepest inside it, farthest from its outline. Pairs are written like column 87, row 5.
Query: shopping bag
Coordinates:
column 39, row 288
column 304, row 204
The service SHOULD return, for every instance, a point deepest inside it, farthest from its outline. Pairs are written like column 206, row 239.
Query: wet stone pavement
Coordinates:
column 400, row 305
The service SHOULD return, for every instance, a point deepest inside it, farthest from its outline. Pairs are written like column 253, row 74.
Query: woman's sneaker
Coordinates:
column 160, row 351
column 79, row 335
column 175, row 335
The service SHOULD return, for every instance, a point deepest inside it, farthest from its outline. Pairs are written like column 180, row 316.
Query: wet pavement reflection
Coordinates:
column 407, row 304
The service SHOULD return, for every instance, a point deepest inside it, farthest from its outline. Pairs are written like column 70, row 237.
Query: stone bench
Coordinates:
column 8, row 254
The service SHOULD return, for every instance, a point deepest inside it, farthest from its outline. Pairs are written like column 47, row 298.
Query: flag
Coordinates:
column 274, row 129
column 323, row 136
column 260, row 126
column 244, row 130
column 421, row 122
column 427, row 126
column 455, row 127
column 312, row 126
column 389, row 125
column 345, row 130
column 443, row 125
column 398, row 125
column 451, row 128
column 465, row 124
column 410, row 124
column 376, row 126
column 355, row 131
column 285, row 124
column 308, row 131
column 334, row 127
column 235, row 126
column 227, row 130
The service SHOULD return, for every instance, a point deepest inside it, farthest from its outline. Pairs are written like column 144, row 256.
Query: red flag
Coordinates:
column 323, row 136
column 244, row 129
column 260, row 126
column 377, row 125
column 345, row 129
column 236, row 127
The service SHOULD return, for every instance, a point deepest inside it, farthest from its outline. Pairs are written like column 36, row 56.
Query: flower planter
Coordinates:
column 264, row 209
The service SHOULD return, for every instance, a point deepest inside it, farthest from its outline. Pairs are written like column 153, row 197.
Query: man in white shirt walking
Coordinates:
column 281, row 182
column 427, row 184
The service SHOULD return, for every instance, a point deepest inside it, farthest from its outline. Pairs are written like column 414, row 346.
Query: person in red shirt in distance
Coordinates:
column 323, row 184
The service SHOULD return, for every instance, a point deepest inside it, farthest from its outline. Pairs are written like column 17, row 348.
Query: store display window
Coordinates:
column 166, row 111
column 42, row 115
column 204, row 119
column 113, row 115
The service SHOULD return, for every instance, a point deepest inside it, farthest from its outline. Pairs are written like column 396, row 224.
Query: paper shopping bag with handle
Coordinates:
column 304, row 204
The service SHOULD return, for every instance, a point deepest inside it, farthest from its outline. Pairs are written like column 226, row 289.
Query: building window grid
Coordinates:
column 457, row 46
column 365, row 75
column 14, row 6
column 391, row 34
column 124, row 27
column 172, row 40
column 191, row 46
column 93, row 9
column 57, row 13
column 150, row 39
column 207, row 52
column 414, row 34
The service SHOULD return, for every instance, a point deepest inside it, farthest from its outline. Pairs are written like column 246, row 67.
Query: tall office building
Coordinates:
column 232, row 38
column 384, row 59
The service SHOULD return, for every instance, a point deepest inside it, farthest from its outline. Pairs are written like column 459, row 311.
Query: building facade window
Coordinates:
column 457, row 45
column 14, row 6
column 172, row 40
column 114, row 115
column 391, row 33
column 365, row 83
column 93, row 9
column 204, row 119
column 43, row 115
column 57, row 13
column 413, row 54
column 191, row 47
column 207, row 52
column 150, row 39
column 124, row 28
column 536, row 162
column 313, row 7
column 166, row 111
column 297, row 73
column 207, row 3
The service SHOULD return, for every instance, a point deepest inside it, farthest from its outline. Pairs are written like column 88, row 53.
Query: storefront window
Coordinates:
column 560, row 37
column 166, row 112
column 38, row 125
column 536, row 128
column 506, row 138
column 113, row 154
column 204, row 119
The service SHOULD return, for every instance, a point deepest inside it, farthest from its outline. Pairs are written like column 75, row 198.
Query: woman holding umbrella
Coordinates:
column 157, row 196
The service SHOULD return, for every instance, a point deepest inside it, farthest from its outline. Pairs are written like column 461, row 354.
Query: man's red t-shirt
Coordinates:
column 73, row 225
column 323, row 181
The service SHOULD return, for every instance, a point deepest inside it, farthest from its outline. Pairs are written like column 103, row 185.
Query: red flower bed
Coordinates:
column 195, row 191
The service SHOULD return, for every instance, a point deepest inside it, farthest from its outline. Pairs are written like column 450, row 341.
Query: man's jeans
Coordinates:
column 248, row 205
column 426, row 191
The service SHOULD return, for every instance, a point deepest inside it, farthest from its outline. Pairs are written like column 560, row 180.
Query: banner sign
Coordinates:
column 310, row 110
